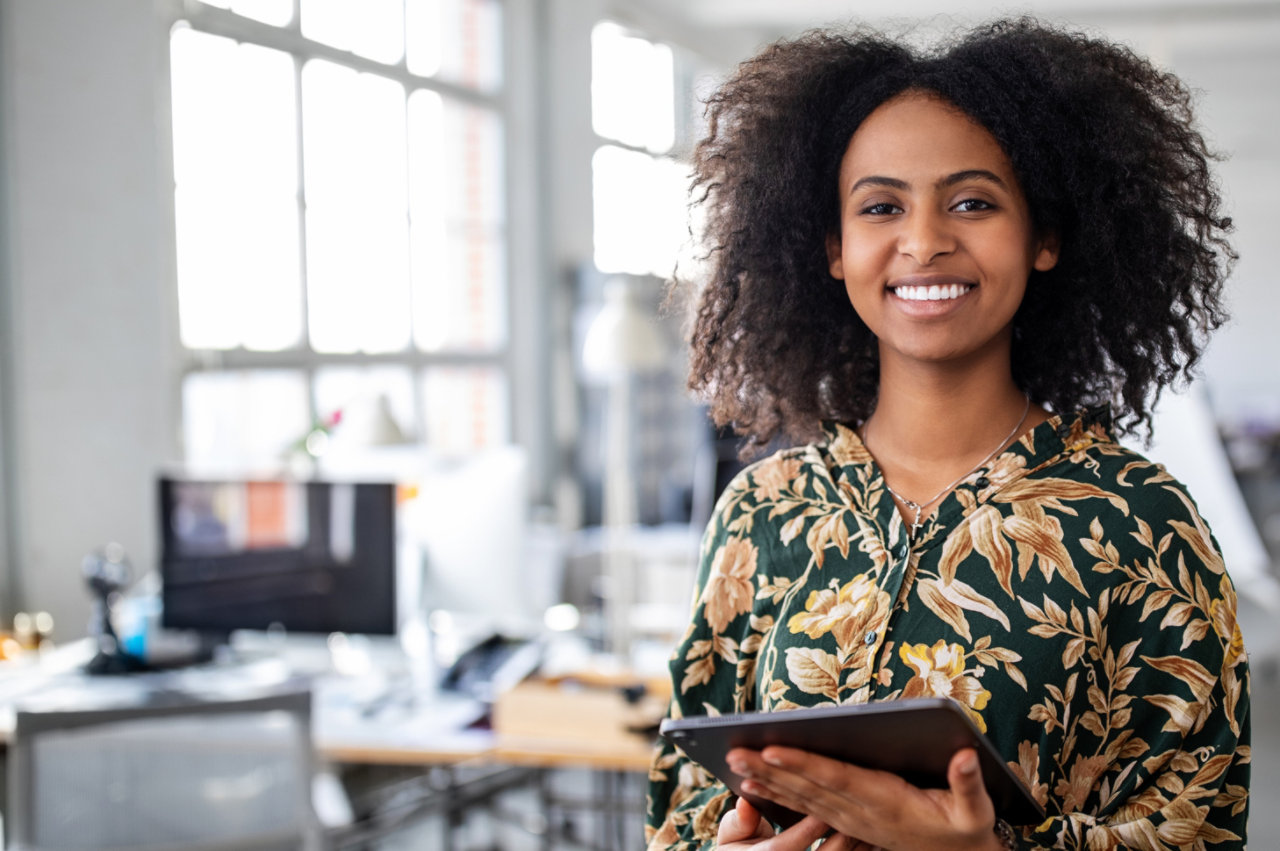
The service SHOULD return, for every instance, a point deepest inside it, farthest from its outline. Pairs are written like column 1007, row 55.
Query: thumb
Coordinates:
column 741, row 823
column 972, row 803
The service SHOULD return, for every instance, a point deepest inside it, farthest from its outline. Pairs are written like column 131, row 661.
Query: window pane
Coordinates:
column 278, row 13
column 376, row 404
column 641, row 220
column 457, row 221
column 456, row 40
column 370, row 28
column 235, row 168
column 465, row 408
column 632, row 89
column 243, row 421
column 357, row 224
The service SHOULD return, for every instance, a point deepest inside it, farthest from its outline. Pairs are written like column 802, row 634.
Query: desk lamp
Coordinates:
column 621, row 343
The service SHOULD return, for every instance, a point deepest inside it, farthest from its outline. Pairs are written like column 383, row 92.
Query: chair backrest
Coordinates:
column 180, row 772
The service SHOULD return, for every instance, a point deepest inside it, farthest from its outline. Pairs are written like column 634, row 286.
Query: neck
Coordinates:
column 935, row 422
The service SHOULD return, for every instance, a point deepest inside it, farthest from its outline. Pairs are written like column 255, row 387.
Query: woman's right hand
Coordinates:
column 743, row 828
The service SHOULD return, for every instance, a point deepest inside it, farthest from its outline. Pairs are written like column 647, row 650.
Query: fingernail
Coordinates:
column 969, row 765
column 771, row 759
column 740, row 768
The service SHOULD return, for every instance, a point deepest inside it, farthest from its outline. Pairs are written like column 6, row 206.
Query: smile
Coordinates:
column 943, row 292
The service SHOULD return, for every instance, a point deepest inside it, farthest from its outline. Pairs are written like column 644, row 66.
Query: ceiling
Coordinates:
column 1226, row 49
column 784, row 16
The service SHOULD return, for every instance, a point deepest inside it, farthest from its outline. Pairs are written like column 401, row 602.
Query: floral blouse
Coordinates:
column 1068, row 595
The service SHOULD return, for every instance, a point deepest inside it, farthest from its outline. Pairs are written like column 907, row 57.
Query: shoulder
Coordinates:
column 1153, row 495
column 779, row 476
column 1139, row 487
column 1152, row 528
column 760, row 499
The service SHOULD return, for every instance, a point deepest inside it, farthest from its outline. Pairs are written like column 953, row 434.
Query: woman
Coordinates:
column 933, row 272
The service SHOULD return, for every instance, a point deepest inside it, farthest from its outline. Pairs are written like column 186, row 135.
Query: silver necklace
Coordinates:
column 919, row 507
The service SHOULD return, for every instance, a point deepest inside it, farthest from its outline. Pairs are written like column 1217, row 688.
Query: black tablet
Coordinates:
column 913, row 738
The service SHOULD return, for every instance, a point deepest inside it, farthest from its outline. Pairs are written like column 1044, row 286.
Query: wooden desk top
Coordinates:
column 552, row 725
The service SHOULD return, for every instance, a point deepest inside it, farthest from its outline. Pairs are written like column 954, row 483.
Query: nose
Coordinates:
column 925, row 236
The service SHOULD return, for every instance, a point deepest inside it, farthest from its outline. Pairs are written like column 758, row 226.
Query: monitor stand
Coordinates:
column 112, row 658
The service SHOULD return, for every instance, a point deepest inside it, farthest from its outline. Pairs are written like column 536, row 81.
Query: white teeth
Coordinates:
column 932, row 293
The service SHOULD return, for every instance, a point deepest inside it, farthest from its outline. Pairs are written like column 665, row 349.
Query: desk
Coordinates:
column 538, row 726
column 552, row 725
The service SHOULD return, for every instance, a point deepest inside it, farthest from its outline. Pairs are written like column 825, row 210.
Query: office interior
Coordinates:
column 428, row 243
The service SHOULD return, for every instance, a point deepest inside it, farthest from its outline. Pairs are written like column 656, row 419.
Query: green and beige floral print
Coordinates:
column 1068, row 595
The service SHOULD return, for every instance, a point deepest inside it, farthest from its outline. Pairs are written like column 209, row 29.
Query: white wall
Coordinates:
column 1228, row 57
column 90, row 398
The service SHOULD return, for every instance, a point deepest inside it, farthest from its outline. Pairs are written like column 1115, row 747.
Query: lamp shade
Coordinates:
column 623, row 338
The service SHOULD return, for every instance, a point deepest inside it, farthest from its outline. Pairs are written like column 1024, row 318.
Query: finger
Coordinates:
column 837, row 792
column 800, row 835
column 841, row 842
column 742, row 822
column 969, row 796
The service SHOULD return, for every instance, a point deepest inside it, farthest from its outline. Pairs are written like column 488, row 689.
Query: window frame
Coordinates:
column 522, row 266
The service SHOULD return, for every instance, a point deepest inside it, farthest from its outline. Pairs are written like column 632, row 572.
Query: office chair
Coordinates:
column 188, row 773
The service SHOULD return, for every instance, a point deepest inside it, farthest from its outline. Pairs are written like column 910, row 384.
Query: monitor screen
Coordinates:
column 305, row 556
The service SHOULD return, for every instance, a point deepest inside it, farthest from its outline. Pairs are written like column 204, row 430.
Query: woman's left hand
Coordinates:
column 874, row 807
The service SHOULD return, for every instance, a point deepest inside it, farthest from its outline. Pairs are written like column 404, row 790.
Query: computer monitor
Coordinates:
column 313, row 557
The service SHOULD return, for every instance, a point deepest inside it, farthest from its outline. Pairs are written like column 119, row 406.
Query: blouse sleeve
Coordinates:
column 1173, row 687
column 712, row 672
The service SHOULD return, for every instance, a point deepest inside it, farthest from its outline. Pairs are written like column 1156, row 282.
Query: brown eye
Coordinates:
column 881, row 209
column 973, row 205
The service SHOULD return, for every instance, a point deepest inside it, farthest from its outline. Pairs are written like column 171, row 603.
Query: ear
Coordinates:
column 1047, row 252
column 835, row 257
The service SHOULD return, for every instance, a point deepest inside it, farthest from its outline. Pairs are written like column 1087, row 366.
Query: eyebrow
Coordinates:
column 942, row 183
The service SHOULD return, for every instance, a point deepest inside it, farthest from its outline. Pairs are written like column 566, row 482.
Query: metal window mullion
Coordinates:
column 290, row 40
column 304, row 345
column 417, row 371
column 299, row 359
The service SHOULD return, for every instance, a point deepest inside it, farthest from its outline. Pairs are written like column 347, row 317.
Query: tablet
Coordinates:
column 913, row 738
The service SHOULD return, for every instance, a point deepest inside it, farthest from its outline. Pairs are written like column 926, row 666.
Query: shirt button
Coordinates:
column 903, row 550
column 981, row 482
column 870, row 637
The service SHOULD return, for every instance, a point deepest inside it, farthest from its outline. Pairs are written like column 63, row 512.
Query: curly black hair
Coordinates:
column 1108, row 157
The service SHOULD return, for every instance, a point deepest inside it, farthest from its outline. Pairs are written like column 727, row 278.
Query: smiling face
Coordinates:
column 936, row 240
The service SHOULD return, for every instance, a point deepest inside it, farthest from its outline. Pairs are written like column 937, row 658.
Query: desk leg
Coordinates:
column 547, row 802
column 5, row 815
column 453, row 812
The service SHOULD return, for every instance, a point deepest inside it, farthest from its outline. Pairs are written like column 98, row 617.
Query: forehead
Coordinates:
column 922, row 136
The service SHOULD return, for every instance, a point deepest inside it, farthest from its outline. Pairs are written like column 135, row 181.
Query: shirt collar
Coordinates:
column 848, row 458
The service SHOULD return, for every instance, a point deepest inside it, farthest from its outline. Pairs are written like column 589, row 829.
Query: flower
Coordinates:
column 774, row 476
column 1075, row 788
column 730, row 588
column 848, row 613
column 940, row 673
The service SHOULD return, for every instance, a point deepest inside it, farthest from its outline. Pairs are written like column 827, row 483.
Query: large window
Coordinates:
column 639, row 187
column 341, row 222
